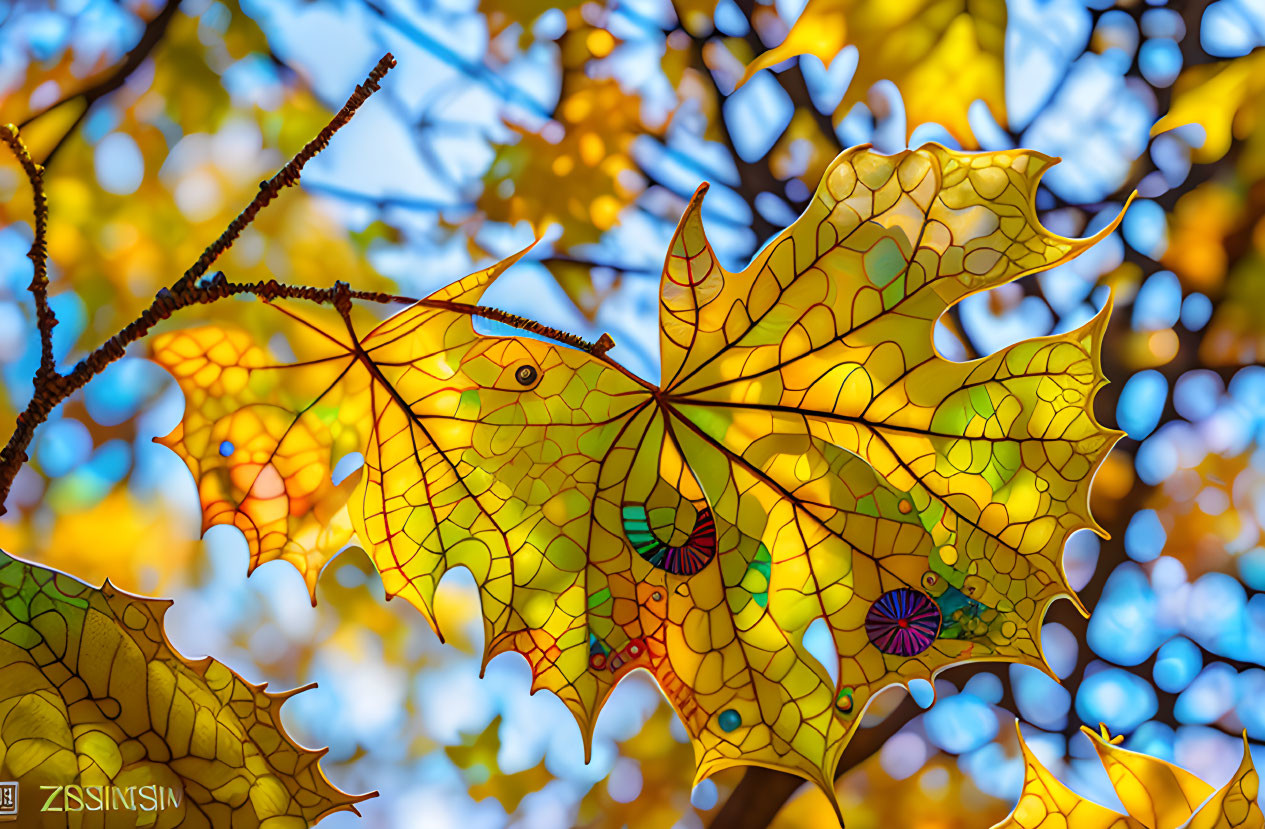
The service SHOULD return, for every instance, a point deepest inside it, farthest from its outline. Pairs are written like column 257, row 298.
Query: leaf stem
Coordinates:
column 51, row 387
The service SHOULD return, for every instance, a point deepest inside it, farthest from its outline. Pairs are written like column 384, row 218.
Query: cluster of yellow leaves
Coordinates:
column 576, row 171
column 941, row 54
column 93, row 695
column 1155, row 794
column 1208, row 512
column 145, row 551
column 1225, row 100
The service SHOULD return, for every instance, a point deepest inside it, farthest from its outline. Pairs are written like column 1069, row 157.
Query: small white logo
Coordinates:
column 8, row 801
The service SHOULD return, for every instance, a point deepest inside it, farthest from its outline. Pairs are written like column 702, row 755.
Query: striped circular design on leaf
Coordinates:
column 903, row 622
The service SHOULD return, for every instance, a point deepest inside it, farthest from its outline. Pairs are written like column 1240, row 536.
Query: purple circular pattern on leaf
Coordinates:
column 903, row 622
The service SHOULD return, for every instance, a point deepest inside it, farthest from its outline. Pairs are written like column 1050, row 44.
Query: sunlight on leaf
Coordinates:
column 809, row 455
column 284, row 501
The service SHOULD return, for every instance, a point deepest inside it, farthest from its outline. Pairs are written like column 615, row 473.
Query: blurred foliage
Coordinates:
column 941, row 55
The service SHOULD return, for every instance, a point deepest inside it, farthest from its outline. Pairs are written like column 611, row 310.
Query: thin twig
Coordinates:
column 150, row 38
column 38, row 254
column 289, row 174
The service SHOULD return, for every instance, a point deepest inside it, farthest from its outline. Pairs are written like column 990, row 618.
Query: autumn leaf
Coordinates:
column 94, row 695
column 941, row 54
column 1155, row 794
column 283, row 500
column 807, row 456
column 1223, row 98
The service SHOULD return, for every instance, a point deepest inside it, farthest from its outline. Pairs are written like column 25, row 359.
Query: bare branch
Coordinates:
column 289, row 174
column 38, row 254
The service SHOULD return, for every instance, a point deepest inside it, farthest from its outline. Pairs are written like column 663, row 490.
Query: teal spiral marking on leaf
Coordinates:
column 686, row 560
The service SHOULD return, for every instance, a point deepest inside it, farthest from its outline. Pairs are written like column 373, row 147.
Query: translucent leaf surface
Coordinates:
column 809, row 455
column 1155, row 793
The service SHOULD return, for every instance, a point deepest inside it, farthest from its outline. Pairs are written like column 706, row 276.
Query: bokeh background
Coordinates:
column 594, row 122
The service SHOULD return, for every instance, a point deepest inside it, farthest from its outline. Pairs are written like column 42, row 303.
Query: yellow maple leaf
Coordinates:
column 1155, row 794
column 941, row 54
column 807, row 455
column 94, row 697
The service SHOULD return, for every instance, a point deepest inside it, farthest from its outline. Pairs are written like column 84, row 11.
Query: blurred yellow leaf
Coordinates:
column 696, row 16
column 585, row 290
column 477, row 759
column 1223, row 98
column 145, row 550
column 665, row 765
column 941, row 55
column 94, row 696
column 802, row 152
column 1198, row 226
column 1236, row 334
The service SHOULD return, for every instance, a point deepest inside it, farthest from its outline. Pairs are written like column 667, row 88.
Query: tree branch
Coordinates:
column 52, row 388
column 38, row 254
column 150, row 38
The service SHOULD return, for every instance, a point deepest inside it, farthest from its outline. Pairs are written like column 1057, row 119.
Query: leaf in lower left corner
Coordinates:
column 93, row 695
